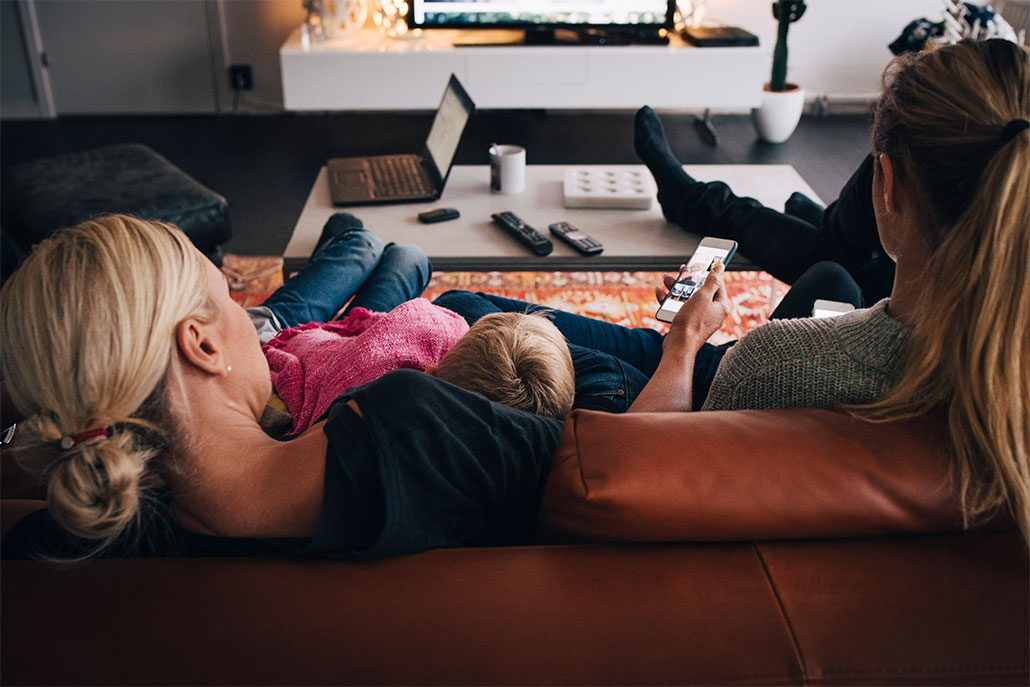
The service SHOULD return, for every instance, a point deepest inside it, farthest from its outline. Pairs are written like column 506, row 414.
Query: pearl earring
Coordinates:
column 228, row 369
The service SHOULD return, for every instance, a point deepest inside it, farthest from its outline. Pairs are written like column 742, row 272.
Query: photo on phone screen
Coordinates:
column 693, row 274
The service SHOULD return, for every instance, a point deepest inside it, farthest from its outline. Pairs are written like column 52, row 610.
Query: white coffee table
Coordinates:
column 633, row 239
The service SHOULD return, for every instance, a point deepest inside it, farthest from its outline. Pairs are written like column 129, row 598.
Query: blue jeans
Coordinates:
column 352, row 264
column 603, row 381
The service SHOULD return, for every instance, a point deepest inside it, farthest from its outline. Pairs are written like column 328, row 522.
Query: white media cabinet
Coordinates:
column 366, row 71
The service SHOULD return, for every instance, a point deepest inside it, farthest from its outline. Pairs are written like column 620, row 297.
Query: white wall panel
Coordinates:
column 108, row 56
column 839, row 47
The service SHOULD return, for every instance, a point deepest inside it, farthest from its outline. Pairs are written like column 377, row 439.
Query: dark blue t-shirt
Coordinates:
column 428, row 465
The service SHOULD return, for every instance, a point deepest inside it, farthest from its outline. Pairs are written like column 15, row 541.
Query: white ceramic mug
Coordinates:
column 507, row 169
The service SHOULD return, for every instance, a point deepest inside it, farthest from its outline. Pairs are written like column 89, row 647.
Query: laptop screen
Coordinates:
column 448, row 126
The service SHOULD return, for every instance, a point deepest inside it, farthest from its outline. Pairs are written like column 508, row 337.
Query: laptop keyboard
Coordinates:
column 396, row 176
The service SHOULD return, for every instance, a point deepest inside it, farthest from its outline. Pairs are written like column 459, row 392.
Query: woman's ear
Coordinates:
column 199, row 347
column 890, row 203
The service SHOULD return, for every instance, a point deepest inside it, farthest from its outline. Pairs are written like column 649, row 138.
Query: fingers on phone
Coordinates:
column 713, row 281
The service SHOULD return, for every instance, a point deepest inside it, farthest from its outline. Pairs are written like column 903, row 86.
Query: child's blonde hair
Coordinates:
column 519, row 360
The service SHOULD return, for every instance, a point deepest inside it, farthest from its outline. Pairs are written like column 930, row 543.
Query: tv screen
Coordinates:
column 543, row 13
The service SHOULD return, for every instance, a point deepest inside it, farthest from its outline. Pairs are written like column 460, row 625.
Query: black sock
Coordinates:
column 801, row 206
column 653, row 150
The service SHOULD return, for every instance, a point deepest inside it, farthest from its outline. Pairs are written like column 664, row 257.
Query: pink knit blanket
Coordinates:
column 314, row 363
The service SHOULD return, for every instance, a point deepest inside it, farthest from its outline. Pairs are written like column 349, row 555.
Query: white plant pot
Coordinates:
column 779, row 113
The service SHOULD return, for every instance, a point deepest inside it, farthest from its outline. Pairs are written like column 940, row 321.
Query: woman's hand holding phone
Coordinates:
column 702, row 314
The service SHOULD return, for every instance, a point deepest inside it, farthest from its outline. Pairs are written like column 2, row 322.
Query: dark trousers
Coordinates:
column 786, row 244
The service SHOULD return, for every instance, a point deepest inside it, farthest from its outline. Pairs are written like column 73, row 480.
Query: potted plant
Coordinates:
column 782, row 102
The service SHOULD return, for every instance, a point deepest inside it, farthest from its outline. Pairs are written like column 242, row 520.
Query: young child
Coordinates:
column 521, row 360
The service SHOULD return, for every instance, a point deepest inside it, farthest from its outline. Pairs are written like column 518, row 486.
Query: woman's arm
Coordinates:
column 703, row 313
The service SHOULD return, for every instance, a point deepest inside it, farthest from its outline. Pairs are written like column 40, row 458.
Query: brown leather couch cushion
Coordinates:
column 742, row 475
column 913, row 610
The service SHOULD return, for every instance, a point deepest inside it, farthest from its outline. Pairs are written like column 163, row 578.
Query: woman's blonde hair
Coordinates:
column 949, row 121
column 88, row 341
column 520, row 360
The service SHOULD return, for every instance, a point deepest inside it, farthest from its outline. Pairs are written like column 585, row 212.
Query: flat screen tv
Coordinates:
column 587, row 21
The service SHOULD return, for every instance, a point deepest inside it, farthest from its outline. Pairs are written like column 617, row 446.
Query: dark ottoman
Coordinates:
column 44, row 195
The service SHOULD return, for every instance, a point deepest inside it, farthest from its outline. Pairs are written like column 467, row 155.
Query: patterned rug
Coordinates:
column 625, row 298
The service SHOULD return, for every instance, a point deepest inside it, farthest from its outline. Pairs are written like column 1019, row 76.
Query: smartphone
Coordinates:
column 824, row 308
column 693, row 274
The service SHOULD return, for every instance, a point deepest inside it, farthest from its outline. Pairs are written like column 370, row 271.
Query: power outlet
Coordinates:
column 241, row 77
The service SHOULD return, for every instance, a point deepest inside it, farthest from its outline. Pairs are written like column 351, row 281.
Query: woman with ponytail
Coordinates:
column 952, row 194
column 950, row 178
column 142, row 383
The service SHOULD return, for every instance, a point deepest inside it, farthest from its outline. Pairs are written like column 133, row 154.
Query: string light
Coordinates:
column 391, row 17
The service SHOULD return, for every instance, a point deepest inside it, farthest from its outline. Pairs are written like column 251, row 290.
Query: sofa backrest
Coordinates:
column 743, row 475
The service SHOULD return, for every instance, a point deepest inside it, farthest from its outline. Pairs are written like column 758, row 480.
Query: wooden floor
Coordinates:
column 265, row 164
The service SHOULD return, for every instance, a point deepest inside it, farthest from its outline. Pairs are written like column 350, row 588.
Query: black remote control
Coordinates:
column 527, row 235
column 577, row 239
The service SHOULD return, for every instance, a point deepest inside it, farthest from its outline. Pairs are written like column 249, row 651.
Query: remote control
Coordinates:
column 527, row 235
column 577, row 239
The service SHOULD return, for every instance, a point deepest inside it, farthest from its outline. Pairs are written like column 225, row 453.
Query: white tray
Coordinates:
column 608, row 187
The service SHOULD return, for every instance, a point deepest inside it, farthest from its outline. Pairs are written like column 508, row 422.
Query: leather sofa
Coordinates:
column 753, row 547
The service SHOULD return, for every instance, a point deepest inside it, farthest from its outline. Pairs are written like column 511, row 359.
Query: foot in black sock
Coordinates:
column 653, row 150
column 340, row 223
column 801, row 206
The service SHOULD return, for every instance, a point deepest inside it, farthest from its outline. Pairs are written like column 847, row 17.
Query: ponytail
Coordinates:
column 969, row 359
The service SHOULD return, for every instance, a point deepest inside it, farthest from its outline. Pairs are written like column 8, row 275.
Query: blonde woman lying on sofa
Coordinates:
column 143, row 381
column 950, row 177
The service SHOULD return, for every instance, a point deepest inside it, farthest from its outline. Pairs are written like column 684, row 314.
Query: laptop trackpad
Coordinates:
column 351, row 184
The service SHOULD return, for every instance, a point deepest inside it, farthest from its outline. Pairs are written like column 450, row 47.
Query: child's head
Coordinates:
column 519, row 360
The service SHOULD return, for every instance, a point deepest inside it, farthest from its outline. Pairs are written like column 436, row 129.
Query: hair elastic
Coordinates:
column 67, row 442
column 1013, row 128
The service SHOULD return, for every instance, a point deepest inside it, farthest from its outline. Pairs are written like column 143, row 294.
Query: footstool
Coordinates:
column 51, row 193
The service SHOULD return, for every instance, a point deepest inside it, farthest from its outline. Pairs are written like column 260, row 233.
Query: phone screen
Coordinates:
column 690, row 279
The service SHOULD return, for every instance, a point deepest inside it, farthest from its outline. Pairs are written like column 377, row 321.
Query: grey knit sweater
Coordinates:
column 812, row 363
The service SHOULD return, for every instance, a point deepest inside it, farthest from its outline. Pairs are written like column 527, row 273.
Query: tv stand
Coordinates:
column 595, row 36
column 366, row 71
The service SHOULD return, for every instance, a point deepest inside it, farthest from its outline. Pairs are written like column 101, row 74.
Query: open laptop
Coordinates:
column 408, row 177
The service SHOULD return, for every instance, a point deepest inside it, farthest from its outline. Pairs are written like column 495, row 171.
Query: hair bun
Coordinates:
column 68, row 442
